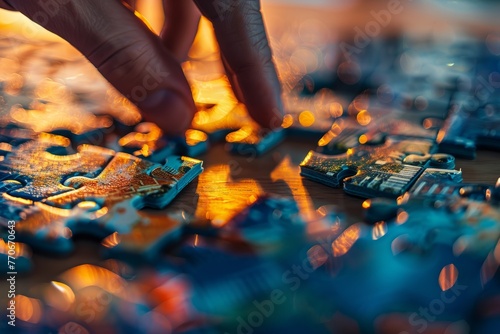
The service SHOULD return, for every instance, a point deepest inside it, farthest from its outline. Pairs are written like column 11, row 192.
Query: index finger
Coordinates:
column 243, row 42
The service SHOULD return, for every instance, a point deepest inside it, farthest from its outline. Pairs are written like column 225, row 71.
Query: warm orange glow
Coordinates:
column 246, row 134
column 334, row 131
column 403, row 199
column 87, row 275
column 194, row 137
column 59, row 296
column 111, row 240
column 287, row 121
column 402, row 217
column 367, row 204
column 448, row 277
column 204, row 45
column 306, row 118
column 363, row 118
column 427, row 123
column 346, row 240
column 21, row 250
column 221, row 197
column 363, row 139
column 336, row 109
column 28, row 309
column 288, row 172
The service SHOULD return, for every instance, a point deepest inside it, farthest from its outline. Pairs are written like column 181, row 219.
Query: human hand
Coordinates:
column 146, row 68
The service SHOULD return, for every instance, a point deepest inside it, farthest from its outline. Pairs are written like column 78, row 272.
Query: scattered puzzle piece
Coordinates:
column 366, row 171
column 106, row 206
column 471, row 125
column 42, row 173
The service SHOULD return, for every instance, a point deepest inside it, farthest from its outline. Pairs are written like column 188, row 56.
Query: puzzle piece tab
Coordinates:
column 41, row 172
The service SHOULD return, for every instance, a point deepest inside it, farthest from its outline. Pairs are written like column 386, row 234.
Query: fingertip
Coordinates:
column 170, row 111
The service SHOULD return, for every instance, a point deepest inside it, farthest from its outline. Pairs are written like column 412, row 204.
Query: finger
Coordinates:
column 233, row 80
column 5, row 5
column 242, row 39
column 125, row 51
column 181, row 24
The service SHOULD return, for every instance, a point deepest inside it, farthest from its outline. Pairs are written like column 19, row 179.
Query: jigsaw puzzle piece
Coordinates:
column 93, row 206
column 368, row 171
column 138, row 232
column 42, row 173
column 126, row 176
column 465, row 216
column 406, row 278
column 471, row 125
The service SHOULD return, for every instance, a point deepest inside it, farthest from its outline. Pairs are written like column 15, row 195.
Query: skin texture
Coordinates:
column 146, row 68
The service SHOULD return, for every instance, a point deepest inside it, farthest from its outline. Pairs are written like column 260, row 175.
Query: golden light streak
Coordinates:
column 346, row 240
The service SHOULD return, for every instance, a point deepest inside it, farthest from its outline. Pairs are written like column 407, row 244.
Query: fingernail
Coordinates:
column 168, row 110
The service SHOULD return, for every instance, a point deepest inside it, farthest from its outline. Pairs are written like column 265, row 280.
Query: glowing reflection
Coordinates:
column 287, row 121
column 379, row 230
column 363, row 139
column 288, row 172
column 220, row 198
column 21, row 250
column 306, row 118
column 87, row 275
column 111, row 240
column 317, row 256
column 336, row 109
column 194, row 137
column 346, row 240
column 363, row 118
column 403, row 199
column 28, row 309
column 59, row 296
column 402, row 217
column 448, row 277
column 334, row 131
